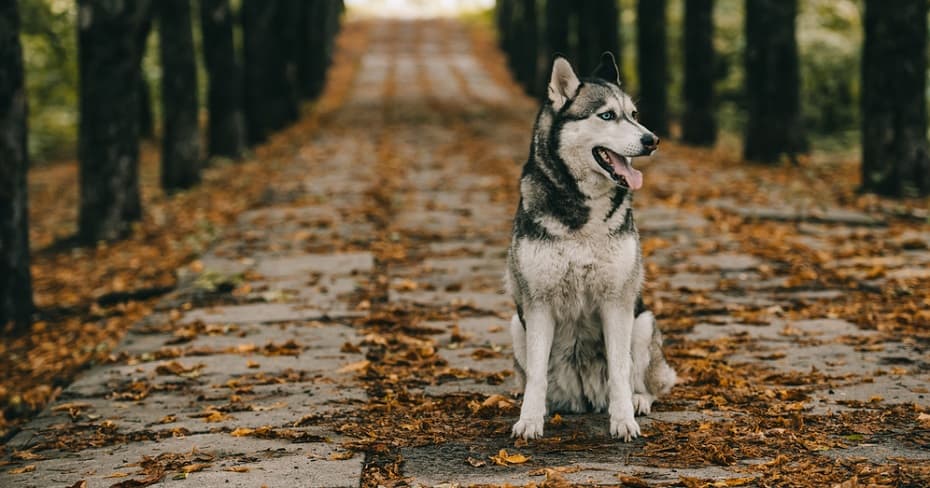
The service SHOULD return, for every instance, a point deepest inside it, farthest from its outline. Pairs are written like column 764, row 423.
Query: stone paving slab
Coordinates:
column 269, row 462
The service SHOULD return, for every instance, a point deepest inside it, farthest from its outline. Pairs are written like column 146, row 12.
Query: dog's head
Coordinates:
column 596, row 125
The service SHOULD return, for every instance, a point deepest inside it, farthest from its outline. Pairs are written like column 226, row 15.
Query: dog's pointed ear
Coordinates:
column 607, row 70
column 563, row 83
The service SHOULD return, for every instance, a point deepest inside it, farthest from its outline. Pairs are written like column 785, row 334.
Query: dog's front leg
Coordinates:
column 617, row 320
column 540, row 327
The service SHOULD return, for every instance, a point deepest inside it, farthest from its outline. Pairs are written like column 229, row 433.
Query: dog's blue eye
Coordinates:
column 609, row 115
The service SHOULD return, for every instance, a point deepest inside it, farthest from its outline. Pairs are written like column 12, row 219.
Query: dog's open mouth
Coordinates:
column 620, row 168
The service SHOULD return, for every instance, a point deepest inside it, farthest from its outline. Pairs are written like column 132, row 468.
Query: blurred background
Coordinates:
column 829, row 40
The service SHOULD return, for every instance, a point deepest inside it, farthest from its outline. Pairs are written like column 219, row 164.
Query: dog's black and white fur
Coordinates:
column 581, row 339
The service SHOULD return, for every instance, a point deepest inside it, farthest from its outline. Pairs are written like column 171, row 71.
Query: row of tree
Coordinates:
column 895, row 158
column 253, row 91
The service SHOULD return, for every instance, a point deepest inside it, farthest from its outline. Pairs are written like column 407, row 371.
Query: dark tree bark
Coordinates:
column 226, row 131
column 526, row 46
column 269, row 103
column 146, row 116
column 772, row 81
column 652, row 64
column 504, row 17
column 597, row 25
column 15, row 281
column 289, row 31
column 180, row 154
column 312, row 56
column 699, row 123
column 109, row 57
column 558, row 27
column 895, row 158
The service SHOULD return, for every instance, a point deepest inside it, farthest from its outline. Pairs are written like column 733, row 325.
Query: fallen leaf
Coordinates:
column 354, row 367
column 26, row 456
column 117, row 474
column 193, row 468
column 341, row 455
column 548, row 472
column 924, row 420
column 503, row 458
column 25, row 469
column 632, row 481
column 241, row 432
column 476, row 463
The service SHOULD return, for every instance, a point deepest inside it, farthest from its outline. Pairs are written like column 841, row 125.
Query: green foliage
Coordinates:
column 49, row 39
column 829, row 36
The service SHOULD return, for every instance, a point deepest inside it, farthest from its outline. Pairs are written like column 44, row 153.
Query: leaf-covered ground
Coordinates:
column 352, row 318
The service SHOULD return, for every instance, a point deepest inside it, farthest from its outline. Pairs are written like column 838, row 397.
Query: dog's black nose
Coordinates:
column 650, row 141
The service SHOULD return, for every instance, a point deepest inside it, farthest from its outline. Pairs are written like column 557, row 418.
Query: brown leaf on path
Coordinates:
column 632, row 481
column 475, row 463
column 25, row 469
column 241, row 432
column 117, row 474
column 177, row 369
column 79, row 484
column 355, row 367
column 548, row 472
column 237, row 469
column 193, row 468
column 503, row 458
column 341, row 455
column 26, row 456
column 139, row 483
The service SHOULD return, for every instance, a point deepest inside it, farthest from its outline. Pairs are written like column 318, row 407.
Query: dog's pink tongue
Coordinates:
column 633, row 176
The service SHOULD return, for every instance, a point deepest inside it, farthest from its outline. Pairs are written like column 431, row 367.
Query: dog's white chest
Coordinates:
column 575, row 271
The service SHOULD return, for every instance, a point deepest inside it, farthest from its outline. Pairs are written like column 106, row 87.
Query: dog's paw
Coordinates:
column 528, row 428
column 642, row 403
column 624, row 428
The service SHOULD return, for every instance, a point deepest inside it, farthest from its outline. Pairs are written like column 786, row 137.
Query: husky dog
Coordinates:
column 581, row 339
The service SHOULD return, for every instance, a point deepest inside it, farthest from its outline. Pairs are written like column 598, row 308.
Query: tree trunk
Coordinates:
column 772, row 81
column 504, row 17
column 226, row 132
column 15, row 281
column 558, row 25
column 146, row 117
column 895, row 159
column 527, row 53
column 109, row 57
column 312, row 58
column 289, row 30
column 652, row 63
column 268, row 89
column 699, row 123
column 180, row 154
column 597, row 24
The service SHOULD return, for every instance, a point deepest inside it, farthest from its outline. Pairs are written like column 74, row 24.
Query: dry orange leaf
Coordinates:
column 193, row 468
column 237, row 469
column 340, row 456
column 503, row 458
column 241, row 432
column 354, row 367
column 25, row 469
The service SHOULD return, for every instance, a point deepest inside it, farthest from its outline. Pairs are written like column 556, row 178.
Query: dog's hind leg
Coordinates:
column 518, row 334
column 642, row 337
